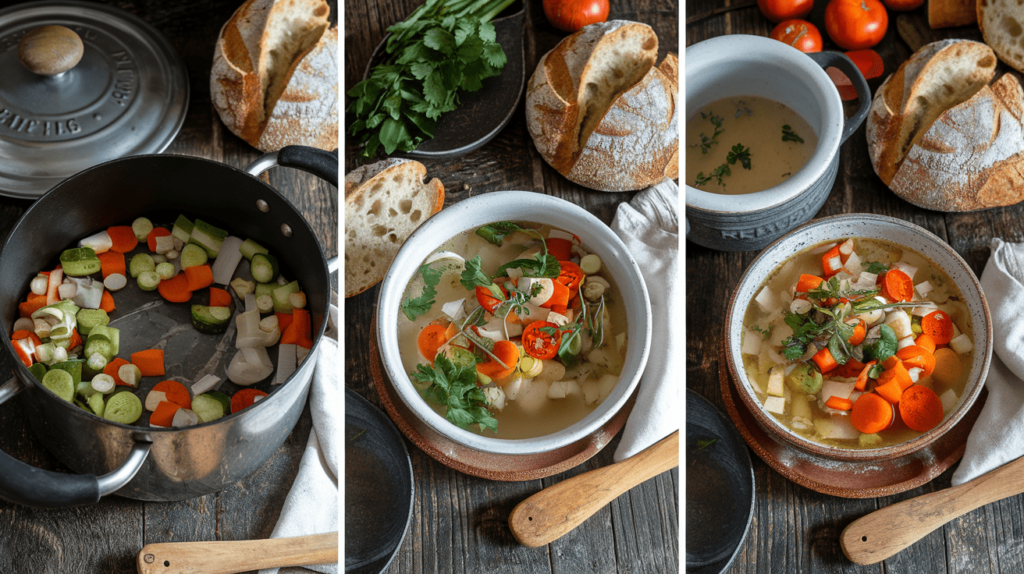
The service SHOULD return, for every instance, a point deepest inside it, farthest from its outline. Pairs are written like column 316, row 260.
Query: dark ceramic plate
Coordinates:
column 378, row 487
column 719, row 488
column 485, row 112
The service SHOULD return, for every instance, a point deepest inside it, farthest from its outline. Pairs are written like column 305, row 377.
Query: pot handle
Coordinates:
column 323, row 164
column 30, row 486
column 846, row 66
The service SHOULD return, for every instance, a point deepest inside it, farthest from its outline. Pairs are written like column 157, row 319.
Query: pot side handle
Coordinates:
column 846, row 66
column 323, row 164
column 30, row 486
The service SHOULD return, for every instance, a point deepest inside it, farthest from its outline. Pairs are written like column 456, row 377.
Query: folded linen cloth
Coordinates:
column 311, row 506
column 998, row 436
column 649, row 226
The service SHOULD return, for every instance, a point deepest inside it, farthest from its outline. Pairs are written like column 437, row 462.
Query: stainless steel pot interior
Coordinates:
column 183, row 463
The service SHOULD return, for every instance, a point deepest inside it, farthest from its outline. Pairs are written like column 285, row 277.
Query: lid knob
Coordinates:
column 50, row 50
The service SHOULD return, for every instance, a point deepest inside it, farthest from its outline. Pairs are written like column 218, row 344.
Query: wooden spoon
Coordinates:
column 237, row 556
column 556, row 510
column 885, row 532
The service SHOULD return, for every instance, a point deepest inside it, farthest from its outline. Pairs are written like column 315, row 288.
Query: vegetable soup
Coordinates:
column 858, row 344
column 745, row 144
column 513, row 330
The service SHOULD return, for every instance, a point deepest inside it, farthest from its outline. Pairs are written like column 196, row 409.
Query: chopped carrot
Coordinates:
column 926, row 342
column 508, row 353
column 175, row 289
column 33, row 304
column 938, row 326
column 430, row 339
column 808, row 282
column 832, row 262
column 175, row 393
column 560, row 248
column 451, row 331
column 199, row 277
column 112, row 368
column 299, row 330
column 897, row 286
column 122, row 238
column 245, row 398
column 219, row 297
column 824, row 360
column 25, row 334
column 898, row 373
column 75, row 339
column 150, row 362
column 859, row 332
column 862, row 379
column 559, row 298
column 948, row 367
column 890, row 391
column 871, row 413
column 851, row 368
column 890, row 362
column 571, row 275
column 487, row 299
column 164, row 414
column 112, row 262
column 151, row 238
column 283, row 320
column 107, row 302
column 839, row 403
column 917, row 357
column 921, row 408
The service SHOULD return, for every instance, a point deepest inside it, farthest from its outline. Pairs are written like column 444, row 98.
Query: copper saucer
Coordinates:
column 483, row 464
column 848, row 479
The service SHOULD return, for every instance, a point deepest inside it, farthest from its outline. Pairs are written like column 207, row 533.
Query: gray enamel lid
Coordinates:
column 126, row 96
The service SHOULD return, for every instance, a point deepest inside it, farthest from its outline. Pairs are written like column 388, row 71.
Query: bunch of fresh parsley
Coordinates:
column 455, row 388
column 444, row 46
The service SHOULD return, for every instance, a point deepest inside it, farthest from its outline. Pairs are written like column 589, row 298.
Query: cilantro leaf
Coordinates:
column 414, row 308
column 455, row 387
column 473, row 276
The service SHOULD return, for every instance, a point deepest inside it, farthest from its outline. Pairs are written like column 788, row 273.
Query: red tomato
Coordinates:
column 856, row 24
column 900, row 5
column 800, row 34
column 779, row 10
column 571, row 15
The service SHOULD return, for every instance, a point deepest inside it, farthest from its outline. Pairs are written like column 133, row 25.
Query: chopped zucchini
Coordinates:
column 141, row 263
column 281, row 302
column 89, row 318
column 193, row 255
column 250, row 248
column 211, row 320
column 79, row 262
column 263, row 267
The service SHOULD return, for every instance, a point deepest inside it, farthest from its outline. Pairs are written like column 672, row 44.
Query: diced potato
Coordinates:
column 853, row 264
column 924, row 288
column 869, row 440
column 605, row 384
column 948, row 399
column 846, row 248
column 785, row 297
column 905, row 267
column 956, row 331
column 836, row 427
column 553, row 371
column 801, row 423
column 831, row 388
column 751, row 342
column 765, row 300
column 620, row 341
column 557, row 390
column 513, row 387
column 915, row 374
column 780, row 332
column 961, row 344
column 801, row 407
column 905, row 342
column 590, row 392
column 558, row 319
column 775, row 405
column 899, row 322
column 924, row 310
column 495, row 398
column 533, row 396
column 775, row 378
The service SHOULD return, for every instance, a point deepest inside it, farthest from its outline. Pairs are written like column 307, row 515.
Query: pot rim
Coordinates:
column 703, row 58
column 27, row 379
column 515, row 206
column 776, row 429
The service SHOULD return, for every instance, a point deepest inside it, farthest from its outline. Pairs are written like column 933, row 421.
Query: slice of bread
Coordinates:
column 384, row 203
column 1002, row 26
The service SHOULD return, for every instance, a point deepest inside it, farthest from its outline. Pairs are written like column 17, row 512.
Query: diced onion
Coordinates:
column 115, row 282
column 205, row 385
column 227, row 260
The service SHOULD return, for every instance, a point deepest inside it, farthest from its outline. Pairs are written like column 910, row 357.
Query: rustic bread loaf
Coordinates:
column 951, row 13
column 1002, row 26
column 384, row 203
column 274, row 77
column 601, row 113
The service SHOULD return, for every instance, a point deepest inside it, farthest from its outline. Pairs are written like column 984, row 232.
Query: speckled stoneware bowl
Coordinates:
column 596, row 237
column 872, row 227
column 739, row 65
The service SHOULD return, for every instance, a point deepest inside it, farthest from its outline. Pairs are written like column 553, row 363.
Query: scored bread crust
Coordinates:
column 972, row 157
column 384, row 203
column 595, row 105
column 1002, row 26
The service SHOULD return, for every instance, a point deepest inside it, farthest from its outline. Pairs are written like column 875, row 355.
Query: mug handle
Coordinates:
column 846, row 66
column 30, row 486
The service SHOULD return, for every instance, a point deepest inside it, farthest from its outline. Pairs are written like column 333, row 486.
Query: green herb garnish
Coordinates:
column 875, row 267
column 705, row 141
column 455, row 388
column 473, row 277
column 739, row 153
column 413, row 308
column 718, row 173
column 766, row 333
column 788, row 135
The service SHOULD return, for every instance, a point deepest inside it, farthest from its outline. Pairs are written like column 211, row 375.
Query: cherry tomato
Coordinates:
column 856, row 24
column 800, row 34
column 779, row 10
column 901, row 5
column 571, row 15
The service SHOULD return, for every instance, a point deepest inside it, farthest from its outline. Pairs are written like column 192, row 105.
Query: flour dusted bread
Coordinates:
column 940, row 137
column 274, row 77
column 1002, row 26
column 384, row 203
column 601, row 113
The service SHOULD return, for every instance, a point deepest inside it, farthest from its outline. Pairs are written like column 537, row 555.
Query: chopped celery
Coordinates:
column 193, row 255
column 141, row 263
column 250, row 248
column 242, row 287
column 208, row 237
column 79, row 262
column 281, row 302
column 165, row 271
column 141, row 228
column 108, row 333
column 182, row 229
column 96, row 404
column 149, row 280
column 89, row 318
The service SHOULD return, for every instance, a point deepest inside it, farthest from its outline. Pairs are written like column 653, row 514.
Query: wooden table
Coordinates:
column 795, row 529
column 460, row 523
column 105, row 537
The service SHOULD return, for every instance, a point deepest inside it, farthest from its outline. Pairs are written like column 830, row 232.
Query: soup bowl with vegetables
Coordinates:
column 858, row 337
column 514, row 323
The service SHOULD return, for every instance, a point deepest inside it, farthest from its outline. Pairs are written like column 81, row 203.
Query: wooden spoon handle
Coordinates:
column 237, row 556
column 886, row 531
column 556, row 510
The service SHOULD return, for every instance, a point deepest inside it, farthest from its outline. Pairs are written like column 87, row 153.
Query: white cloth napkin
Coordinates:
column 312, row 503
column 649, row 226
column 998, row 436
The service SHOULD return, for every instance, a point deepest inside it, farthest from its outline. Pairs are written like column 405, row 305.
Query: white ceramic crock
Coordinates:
column 595, row 236
column 873, row 227
column 742, row 65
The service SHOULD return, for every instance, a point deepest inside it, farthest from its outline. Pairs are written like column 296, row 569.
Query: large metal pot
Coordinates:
column 136, row 461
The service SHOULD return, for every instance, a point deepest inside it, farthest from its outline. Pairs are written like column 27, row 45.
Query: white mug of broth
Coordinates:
column 763, row 131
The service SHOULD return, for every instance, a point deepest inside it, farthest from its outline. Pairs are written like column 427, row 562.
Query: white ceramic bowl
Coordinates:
column 872, row 227
column 595, row 236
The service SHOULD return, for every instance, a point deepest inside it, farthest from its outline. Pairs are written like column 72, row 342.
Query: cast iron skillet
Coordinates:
column 139, row 461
